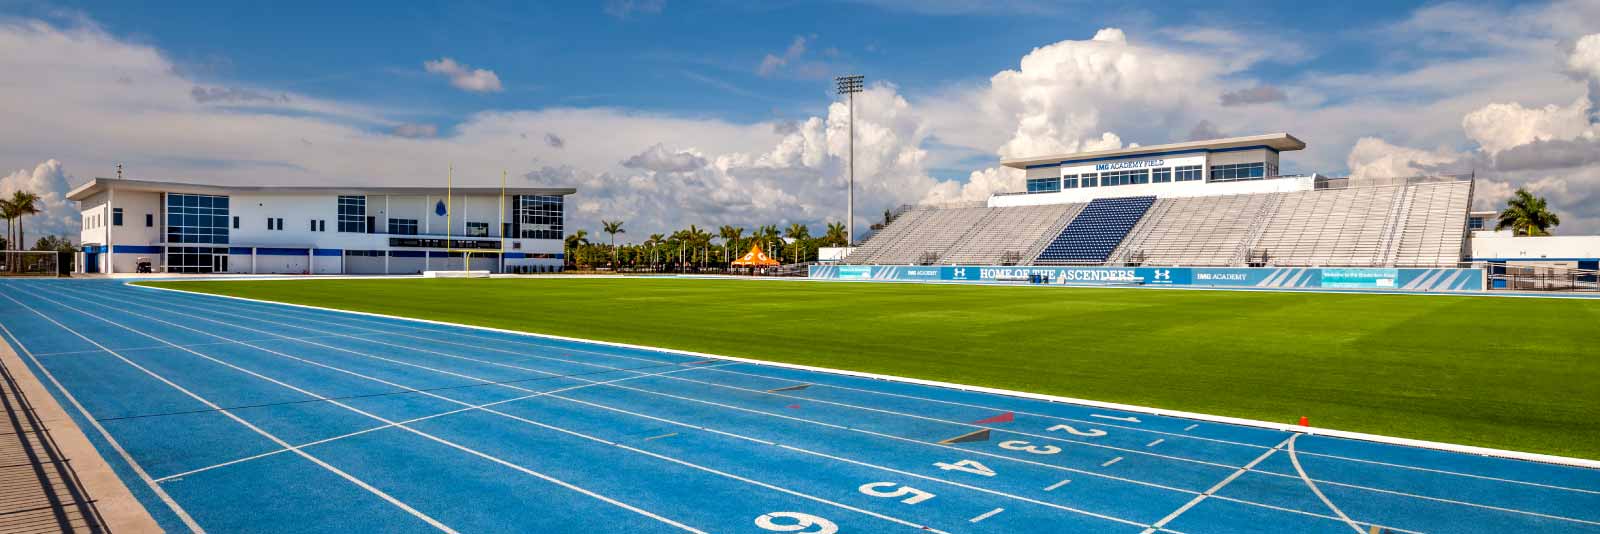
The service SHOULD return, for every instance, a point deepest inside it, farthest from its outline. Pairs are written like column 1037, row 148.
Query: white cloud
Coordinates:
column 416, row 130
column 1498, row 126
column 1376, row 158
column 793, row 63
column 464, row 77
column 57, row 216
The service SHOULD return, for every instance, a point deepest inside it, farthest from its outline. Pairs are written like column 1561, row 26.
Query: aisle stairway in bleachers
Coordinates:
column 1009, row 234
column 1091, row 236
column 1194, row 231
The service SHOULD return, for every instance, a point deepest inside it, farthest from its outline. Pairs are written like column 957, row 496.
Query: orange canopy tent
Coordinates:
column 755, row 258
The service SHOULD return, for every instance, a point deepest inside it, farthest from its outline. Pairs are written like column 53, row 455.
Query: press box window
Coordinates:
column 1044, row 185
column 477, row 229
column 116, row 216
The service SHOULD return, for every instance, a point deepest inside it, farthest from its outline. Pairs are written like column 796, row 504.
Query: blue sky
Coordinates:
column 725, row 106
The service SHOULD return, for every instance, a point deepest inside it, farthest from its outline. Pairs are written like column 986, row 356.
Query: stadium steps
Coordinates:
column 874, row 246
column 1195, row 231
column 1434, row 228
column 1342, row 227
column 1393, row 227
column 1055, row 230
column 1095, row 232
column 1258, row 225
column 938, row 230
column 1008, row 231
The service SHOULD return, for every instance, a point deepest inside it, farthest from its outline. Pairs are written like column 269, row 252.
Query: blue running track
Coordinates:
column 230, row 416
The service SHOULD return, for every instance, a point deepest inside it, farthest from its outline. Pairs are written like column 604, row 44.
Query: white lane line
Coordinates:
column 297, row 311
column 824, row 424
column 1112, row 461
column 1052, row 466
column 1313, row 485
column 1158, row 525
column 406, row 422
column 535, row 423
column 1154, row 443
column 1053, row 487
column 986, row 515
column 318, row 461
column 178, row 510
column 336, row 470
column 1129, row 419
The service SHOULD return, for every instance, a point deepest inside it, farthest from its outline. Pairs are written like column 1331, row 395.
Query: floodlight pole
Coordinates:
column 849, row 86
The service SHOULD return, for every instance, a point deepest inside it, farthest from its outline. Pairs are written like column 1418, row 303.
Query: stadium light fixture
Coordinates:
column 849, row 86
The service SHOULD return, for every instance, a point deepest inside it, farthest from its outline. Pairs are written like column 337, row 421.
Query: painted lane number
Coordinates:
column 1029, row 448
column 966, row 466
column 890, row 491
column 795, row 522
column 1093, row 432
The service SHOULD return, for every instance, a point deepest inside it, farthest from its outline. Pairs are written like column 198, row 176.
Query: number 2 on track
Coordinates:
column 1093, row 432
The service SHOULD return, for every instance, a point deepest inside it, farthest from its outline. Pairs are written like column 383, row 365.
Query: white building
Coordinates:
column 198, row 228
column 1235, row 165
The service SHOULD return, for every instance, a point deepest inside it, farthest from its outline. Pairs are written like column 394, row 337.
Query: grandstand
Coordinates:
column 1156, row 216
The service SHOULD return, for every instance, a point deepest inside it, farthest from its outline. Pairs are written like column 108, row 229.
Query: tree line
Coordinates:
column 695, row 248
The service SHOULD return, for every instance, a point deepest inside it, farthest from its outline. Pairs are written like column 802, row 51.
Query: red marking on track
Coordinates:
column 1002, row 418
column 794, row 406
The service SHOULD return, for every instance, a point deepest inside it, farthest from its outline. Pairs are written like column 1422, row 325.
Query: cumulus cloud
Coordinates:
column 203, row 95
column 1375, row 158
column 658, row 159
column 57, row 215
column 463, row 77
column 1500, row 126
column 1260, row 94
column 792, row 61
column 416, row 130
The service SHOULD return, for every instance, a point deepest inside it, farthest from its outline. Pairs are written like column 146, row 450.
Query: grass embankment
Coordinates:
column 1520, row 374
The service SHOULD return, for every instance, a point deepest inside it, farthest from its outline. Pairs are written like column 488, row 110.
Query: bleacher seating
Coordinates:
column 1010, row 232
column 1194, row 231
column 1095, row 232
column 1390, row 223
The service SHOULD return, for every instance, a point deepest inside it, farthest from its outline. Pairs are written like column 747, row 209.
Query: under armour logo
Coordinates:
column 1163, row 274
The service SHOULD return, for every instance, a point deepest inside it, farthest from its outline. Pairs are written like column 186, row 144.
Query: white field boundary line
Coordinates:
column 183, row 515
column 623, row 446
column 1213, row 489
column 830, row 425
column 1345, row 434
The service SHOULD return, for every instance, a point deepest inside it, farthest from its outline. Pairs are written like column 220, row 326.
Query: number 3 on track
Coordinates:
column 795, row 522
column 1025, row 447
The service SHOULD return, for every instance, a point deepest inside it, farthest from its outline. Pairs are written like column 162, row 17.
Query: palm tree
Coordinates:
column 21, row 204
column 613, row 228
column 576, row 242
column 836, row 236
column 799, row 233
column 1527, row 215
column 655, row 242
column 730, row 239
column 9, row 213
column 767, row 235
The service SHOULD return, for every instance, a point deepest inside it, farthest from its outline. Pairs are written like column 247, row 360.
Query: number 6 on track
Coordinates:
column 1025, row 447
column 795, row 522
column 916, row 495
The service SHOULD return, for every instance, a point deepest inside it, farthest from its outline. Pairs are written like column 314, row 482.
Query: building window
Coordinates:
column 403, row 226
column 1475, row 223
column 193, row 259
column 269, row 224
column 1088, row 180
column 235, row 222
column 477, row 229
column 1161, row 175
column 1140, row 176
column 353, row 214
column 197, row 219
column 1187, row 173
column 1234, row 172
column 1069, row 181
column 538, row 216
column 1044, row 185
column 149, row 220
column 116, row 216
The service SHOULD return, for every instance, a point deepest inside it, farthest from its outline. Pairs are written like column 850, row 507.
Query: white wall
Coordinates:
column 1583, row 247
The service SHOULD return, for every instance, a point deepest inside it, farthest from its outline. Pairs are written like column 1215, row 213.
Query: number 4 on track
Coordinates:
column 966, row 466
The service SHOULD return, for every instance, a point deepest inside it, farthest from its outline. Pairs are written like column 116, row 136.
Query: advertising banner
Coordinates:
column 1240, row 277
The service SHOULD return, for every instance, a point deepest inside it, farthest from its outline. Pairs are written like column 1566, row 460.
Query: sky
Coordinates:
column 665, row 113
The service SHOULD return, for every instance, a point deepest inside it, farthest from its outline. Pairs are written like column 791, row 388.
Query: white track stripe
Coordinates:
column 127, row 458
column 353, row 479
column 488, row 362
column 1313, row 485
column 413, row 420
column 535, row 423
column 1212, row 491
column 808, row 421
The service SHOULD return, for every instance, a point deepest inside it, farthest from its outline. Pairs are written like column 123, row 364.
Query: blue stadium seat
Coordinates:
column 1095, row 232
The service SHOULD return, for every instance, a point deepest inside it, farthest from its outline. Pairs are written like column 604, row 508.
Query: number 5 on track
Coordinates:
column 966, row 466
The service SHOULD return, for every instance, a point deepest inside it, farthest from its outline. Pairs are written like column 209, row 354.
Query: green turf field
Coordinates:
column 1520, row 374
